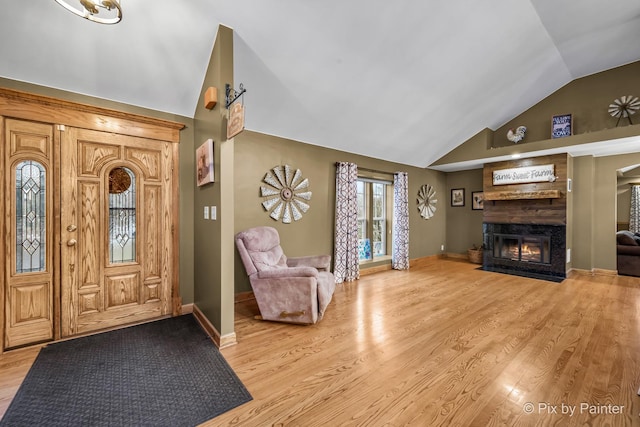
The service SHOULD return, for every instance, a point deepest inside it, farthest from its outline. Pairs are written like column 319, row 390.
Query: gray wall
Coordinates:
column 464, row 225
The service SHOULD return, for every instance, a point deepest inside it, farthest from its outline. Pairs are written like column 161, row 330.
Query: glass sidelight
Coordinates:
column 122, row 215
column 31, row 217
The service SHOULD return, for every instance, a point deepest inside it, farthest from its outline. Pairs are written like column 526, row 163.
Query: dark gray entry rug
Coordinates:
column 162, row 373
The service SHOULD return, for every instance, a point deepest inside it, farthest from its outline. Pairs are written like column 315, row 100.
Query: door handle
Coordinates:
column 72, row 227
column 71, row 242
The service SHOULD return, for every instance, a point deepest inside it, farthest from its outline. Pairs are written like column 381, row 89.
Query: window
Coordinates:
column 31, row 217
column 122, row 216
column 379, row 219
column 374, row 217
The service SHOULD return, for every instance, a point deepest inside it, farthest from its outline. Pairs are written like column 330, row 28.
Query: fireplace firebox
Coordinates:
column 521, row 248
column 530, row 250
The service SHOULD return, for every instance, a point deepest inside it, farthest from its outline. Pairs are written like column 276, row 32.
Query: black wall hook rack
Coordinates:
column 231, row 95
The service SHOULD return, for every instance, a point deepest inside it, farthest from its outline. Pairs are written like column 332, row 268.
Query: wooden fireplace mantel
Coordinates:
column 531, row 202
column 522, row 195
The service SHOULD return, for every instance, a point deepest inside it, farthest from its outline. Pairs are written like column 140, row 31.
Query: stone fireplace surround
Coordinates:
column 554, row 270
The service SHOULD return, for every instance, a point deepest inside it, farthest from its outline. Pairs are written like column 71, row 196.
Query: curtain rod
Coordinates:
column 371, row 170
column 375, row 171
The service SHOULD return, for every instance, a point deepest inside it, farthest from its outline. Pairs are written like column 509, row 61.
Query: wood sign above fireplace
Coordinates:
column 524, row 175
column 535, row 201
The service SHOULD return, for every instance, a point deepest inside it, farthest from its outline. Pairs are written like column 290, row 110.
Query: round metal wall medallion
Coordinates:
column 624, row 107
column 427, row 201
column 286, row 194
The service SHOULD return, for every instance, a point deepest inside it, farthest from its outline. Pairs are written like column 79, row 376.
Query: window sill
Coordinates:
column 380, row 260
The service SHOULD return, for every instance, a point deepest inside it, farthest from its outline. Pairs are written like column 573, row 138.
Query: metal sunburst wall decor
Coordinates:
column 624, row 107
column 286, row 195
column 427, row 201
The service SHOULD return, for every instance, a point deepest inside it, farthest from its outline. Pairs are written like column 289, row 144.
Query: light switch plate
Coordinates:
column 214, row 213
column 206, row 212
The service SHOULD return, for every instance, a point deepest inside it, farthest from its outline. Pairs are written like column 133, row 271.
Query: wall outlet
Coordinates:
column 569, row 255
column 442, row 247
column 206, row 212
column 214, row 213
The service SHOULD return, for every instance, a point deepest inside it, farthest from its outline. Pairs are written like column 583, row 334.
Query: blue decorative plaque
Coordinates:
column 561, row 126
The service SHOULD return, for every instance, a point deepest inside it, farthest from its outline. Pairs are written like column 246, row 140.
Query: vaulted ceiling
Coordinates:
column 405, row 81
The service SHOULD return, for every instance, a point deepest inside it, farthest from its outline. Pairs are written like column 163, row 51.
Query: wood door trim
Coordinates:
column 4, row 243
column 41, row 108
column 176, row 300
column 57, row 260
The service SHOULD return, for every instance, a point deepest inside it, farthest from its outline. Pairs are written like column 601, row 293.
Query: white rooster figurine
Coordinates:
column 518, row 135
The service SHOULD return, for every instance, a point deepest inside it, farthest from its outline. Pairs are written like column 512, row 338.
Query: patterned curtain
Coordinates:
column 634, row 217
column 400, row 254
column 346, row 263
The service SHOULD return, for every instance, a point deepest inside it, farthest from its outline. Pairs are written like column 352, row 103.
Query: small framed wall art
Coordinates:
column 204, row 163
column 477, row 200
column 561, row 126
column 457, row 197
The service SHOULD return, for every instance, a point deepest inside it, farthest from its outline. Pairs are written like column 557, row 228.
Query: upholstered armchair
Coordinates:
column 294, row 290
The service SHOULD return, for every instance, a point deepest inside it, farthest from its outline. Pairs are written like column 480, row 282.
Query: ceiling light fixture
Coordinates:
column 101, row 11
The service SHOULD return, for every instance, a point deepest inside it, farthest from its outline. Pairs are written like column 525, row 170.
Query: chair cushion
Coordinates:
column 259, row 238
column 263, row 247
column 269, row 259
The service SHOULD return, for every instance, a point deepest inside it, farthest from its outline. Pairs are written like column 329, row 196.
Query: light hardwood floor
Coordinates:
column 443, row 344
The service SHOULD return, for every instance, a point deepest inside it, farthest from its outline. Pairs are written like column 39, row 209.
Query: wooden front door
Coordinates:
column 115, row 228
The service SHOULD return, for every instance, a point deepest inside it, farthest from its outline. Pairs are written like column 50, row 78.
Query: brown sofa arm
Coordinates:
column 628, row 250
column 279, row 273
column 319, row 262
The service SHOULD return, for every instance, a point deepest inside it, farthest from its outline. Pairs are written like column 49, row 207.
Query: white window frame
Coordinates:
column 368, row 221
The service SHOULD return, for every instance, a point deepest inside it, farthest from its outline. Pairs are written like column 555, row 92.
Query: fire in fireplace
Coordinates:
column 522, row 248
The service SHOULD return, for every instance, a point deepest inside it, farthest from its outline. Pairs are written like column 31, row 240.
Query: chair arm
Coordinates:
column 320, row 262
column 278, row 273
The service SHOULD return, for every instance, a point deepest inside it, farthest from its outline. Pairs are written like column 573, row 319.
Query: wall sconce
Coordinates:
column 210, row 98
column 100, row 11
